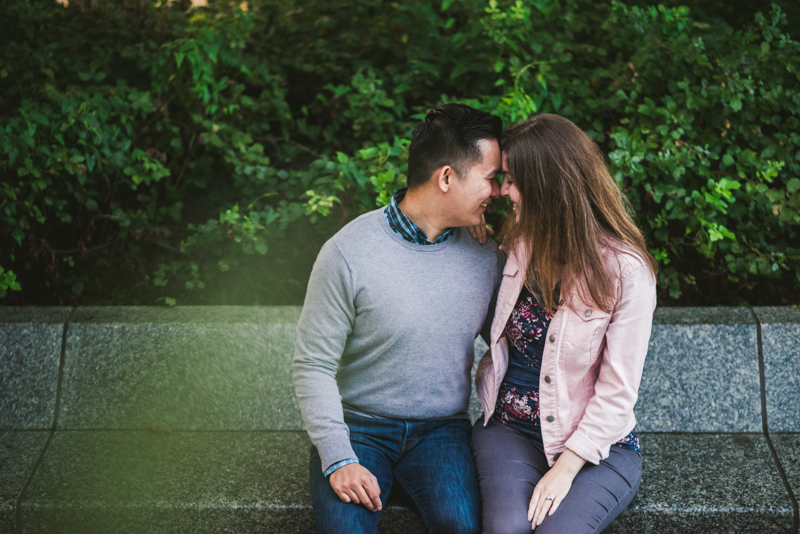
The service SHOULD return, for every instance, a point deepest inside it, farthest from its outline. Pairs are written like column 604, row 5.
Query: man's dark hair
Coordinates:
column 449, row 135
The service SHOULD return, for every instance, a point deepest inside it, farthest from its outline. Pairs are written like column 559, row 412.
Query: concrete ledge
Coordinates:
column 780, row 335
column 701, row 372
column 214, row 368
column 132, row 482
column 30, row 350
column 787, row 447
column 144, row 482
column 19, row 451
column 191, row 368
column 236, row 457
column 707, row 483
column 194, row 368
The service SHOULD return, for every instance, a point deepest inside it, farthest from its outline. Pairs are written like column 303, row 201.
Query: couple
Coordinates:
column 397, row 297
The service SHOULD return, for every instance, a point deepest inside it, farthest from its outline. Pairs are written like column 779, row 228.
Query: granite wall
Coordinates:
column 134, row 419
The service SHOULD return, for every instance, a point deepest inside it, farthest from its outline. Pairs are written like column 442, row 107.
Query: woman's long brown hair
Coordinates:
column 570, row 210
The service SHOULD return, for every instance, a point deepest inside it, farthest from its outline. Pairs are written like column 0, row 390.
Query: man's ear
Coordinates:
column 444, row 178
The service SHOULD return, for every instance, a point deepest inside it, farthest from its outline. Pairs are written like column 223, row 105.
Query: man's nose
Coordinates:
column 495, row 189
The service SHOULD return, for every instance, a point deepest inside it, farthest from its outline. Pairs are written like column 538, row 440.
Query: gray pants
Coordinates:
column 509, row 467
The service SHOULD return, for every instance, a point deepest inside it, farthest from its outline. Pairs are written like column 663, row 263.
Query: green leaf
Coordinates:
column 77, row 288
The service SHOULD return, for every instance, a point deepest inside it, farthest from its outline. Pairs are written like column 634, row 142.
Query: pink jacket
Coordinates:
column 592, row 361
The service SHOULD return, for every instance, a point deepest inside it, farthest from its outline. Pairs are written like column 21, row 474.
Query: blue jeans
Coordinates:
column 427, row 463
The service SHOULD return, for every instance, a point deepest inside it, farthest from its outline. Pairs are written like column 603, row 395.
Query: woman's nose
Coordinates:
column 504, row 188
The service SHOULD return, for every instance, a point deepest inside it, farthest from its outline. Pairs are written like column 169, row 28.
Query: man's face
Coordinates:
column 474, row 191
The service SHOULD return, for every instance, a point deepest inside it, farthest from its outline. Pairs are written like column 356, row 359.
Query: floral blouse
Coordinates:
column 518, row 400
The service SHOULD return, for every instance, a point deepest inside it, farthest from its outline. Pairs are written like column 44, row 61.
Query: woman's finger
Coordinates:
column 541, row 507
column 544, row 505
column 471, row 230
column 556, row 504
column 482, row 230
column 534, row 502
column 488, row 229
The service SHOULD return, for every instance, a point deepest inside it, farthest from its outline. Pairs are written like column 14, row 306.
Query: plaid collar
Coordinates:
column 403, row 226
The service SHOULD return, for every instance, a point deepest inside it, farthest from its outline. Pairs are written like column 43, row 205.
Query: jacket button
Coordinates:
column 547, row 379
column 552, row 338
column 587, row 313
column 550, row 418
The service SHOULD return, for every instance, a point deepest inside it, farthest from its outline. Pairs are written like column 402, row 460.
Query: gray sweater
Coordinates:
column 388, row 329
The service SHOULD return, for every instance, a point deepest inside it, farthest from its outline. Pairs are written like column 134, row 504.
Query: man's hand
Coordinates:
column 354, row 483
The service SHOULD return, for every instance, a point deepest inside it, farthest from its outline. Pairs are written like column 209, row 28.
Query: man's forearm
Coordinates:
column 321, row 407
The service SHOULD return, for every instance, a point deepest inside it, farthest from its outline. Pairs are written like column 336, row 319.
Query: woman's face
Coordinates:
column 509, row 188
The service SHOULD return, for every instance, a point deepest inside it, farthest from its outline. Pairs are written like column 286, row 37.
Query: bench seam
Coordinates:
column 765, row 425
column 18, row 503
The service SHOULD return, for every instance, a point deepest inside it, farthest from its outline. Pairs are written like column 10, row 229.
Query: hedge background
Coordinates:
column 158, row 153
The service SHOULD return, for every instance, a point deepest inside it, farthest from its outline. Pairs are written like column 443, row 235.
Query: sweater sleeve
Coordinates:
column 617, row 386
column 325, row 322
column 498, row 278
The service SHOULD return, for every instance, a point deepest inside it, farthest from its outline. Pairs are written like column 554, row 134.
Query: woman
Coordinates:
column 556, row 449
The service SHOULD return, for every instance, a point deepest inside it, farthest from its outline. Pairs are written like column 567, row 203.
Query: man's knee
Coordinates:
column 334, row 516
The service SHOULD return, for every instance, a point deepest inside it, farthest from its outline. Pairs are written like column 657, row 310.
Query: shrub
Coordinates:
column 146, row 149
column 700, row 123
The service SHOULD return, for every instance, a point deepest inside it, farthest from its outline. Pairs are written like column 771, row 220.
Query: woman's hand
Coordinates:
column 478, row 232
column 553, row 487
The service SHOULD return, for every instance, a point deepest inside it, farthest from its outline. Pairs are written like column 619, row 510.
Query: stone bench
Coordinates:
column 139, row 419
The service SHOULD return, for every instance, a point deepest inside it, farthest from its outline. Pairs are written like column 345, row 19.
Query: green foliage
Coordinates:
column 8, row 280
column 716, row 153
column 699, row 122
column 146, row 150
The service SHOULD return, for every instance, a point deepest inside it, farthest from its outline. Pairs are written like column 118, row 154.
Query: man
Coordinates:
column 385, row 341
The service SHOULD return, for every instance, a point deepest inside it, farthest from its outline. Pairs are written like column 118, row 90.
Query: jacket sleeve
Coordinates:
column 326, row 320
column 610, row 410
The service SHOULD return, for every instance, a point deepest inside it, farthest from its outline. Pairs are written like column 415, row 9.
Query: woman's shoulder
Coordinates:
column 516, row 255
column 621, row 259
column 515, row 250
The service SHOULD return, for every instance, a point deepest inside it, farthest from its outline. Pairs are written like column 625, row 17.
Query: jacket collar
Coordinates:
column 513, row 279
